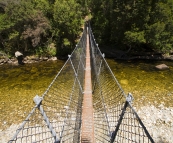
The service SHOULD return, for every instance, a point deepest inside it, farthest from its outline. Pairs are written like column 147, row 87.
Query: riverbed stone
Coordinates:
column 1, row 61
column 5, row 60
column 162, row 67
column 45, row 58
column 10, row 62
column 27, row 60
column 54, row 58
column 124, row 81
column 160, row 119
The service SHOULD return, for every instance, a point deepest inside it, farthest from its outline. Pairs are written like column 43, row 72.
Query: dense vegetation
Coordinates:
column 138, row 24
column 52, row 27
column 40, row 26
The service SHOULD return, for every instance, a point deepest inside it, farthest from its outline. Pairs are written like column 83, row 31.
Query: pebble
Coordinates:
column 158, row 121
column 66, row 107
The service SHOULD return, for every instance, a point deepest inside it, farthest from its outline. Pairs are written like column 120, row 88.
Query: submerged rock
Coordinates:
column 124, row 81
column 162, row 67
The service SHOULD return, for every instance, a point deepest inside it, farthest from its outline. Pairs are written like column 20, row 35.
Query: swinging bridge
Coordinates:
column 92, row 109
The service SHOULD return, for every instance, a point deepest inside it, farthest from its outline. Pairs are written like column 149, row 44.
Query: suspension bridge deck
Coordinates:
column 87, row 109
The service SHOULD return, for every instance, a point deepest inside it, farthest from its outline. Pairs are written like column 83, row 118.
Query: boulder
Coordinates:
column 10, row 62
column 1, row 61
column 162, row 67
column 45, row 58
column 53, row 58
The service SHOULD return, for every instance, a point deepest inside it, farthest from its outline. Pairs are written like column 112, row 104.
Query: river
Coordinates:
column 19, row 84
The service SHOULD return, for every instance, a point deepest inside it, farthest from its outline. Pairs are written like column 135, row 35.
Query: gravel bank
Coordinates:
column 158, row 121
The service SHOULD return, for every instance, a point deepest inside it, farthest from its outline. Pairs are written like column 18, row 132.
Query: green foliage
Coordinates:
column 52, row 52
column 13, row 35
column 42, row 5
column 51, row 49
column 158, row 32
column 28, row 25
column 68, row 20
column 134, row 23
column 66, row 42
column 134, row 37
column 40, row 51
column 67, row 15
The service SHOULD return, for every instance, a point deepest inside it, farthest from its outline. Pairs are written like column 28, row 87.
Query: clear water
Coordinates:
column 19, row 84
column 147, row 84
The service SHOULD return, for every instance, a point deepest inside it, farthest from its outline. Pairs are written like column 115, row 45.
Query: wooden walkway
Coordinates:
column 87, row 135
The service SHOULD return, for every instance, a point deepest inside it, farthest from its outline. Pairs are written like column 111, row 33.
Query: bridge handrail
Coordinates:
column 38, row 100
column 127, row 100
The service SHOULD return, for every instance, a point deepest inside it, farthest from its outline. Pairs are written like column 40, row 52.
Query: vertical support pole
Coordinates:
column 129, row 100
column 37, row 101
column 119, row 122
column 87, row 135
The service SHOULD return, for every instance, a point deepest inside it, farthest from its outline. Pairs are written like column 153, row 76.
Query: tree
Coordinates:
column 137, row 24
column 22, row 27
column 158, row 31
column 67, row 23
column 30, row 25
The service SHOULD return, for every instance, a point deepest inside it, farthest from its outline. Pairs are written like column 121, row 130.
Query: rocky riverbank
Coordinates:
column 27, row 59
column 109, row 53
column 158, row 121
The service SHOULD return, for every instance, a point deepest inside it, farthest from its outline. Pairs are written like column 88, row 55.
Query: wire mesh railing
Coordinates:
column 115, row 120
column 56, row 116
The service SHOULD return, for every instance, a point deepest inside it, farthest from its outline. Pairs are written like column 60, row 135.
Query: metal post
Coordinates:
column 119, row 122
column 38, row 101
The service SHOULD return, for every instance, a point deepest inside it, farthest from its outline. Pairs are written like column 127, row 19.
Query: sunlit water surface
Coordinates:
column 147, row 84
column 19, row 84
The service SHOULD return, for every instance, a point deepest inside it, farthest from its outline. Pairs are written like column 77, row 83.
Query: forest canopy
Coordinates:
column 40, row 26
column 138, row 24
column 53, row 26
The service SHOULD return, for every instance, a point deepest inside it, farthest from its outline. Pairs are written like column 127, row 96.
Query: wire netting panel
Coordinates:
column 35, row 130
column 130, row 130
column 57, row 114
column 114, row 118
column 62, row 104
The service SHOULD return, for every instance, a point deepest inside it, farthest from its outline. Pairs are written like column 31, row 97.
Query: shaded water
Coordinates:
column 19, row 84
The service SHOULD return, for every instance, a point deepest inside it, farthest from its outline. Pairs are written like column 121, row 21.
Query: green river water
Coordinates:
column 19, row 84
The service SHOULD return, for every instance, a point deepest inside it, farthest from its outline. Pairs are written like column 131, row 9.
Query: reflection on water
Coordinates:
column 19, row 84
